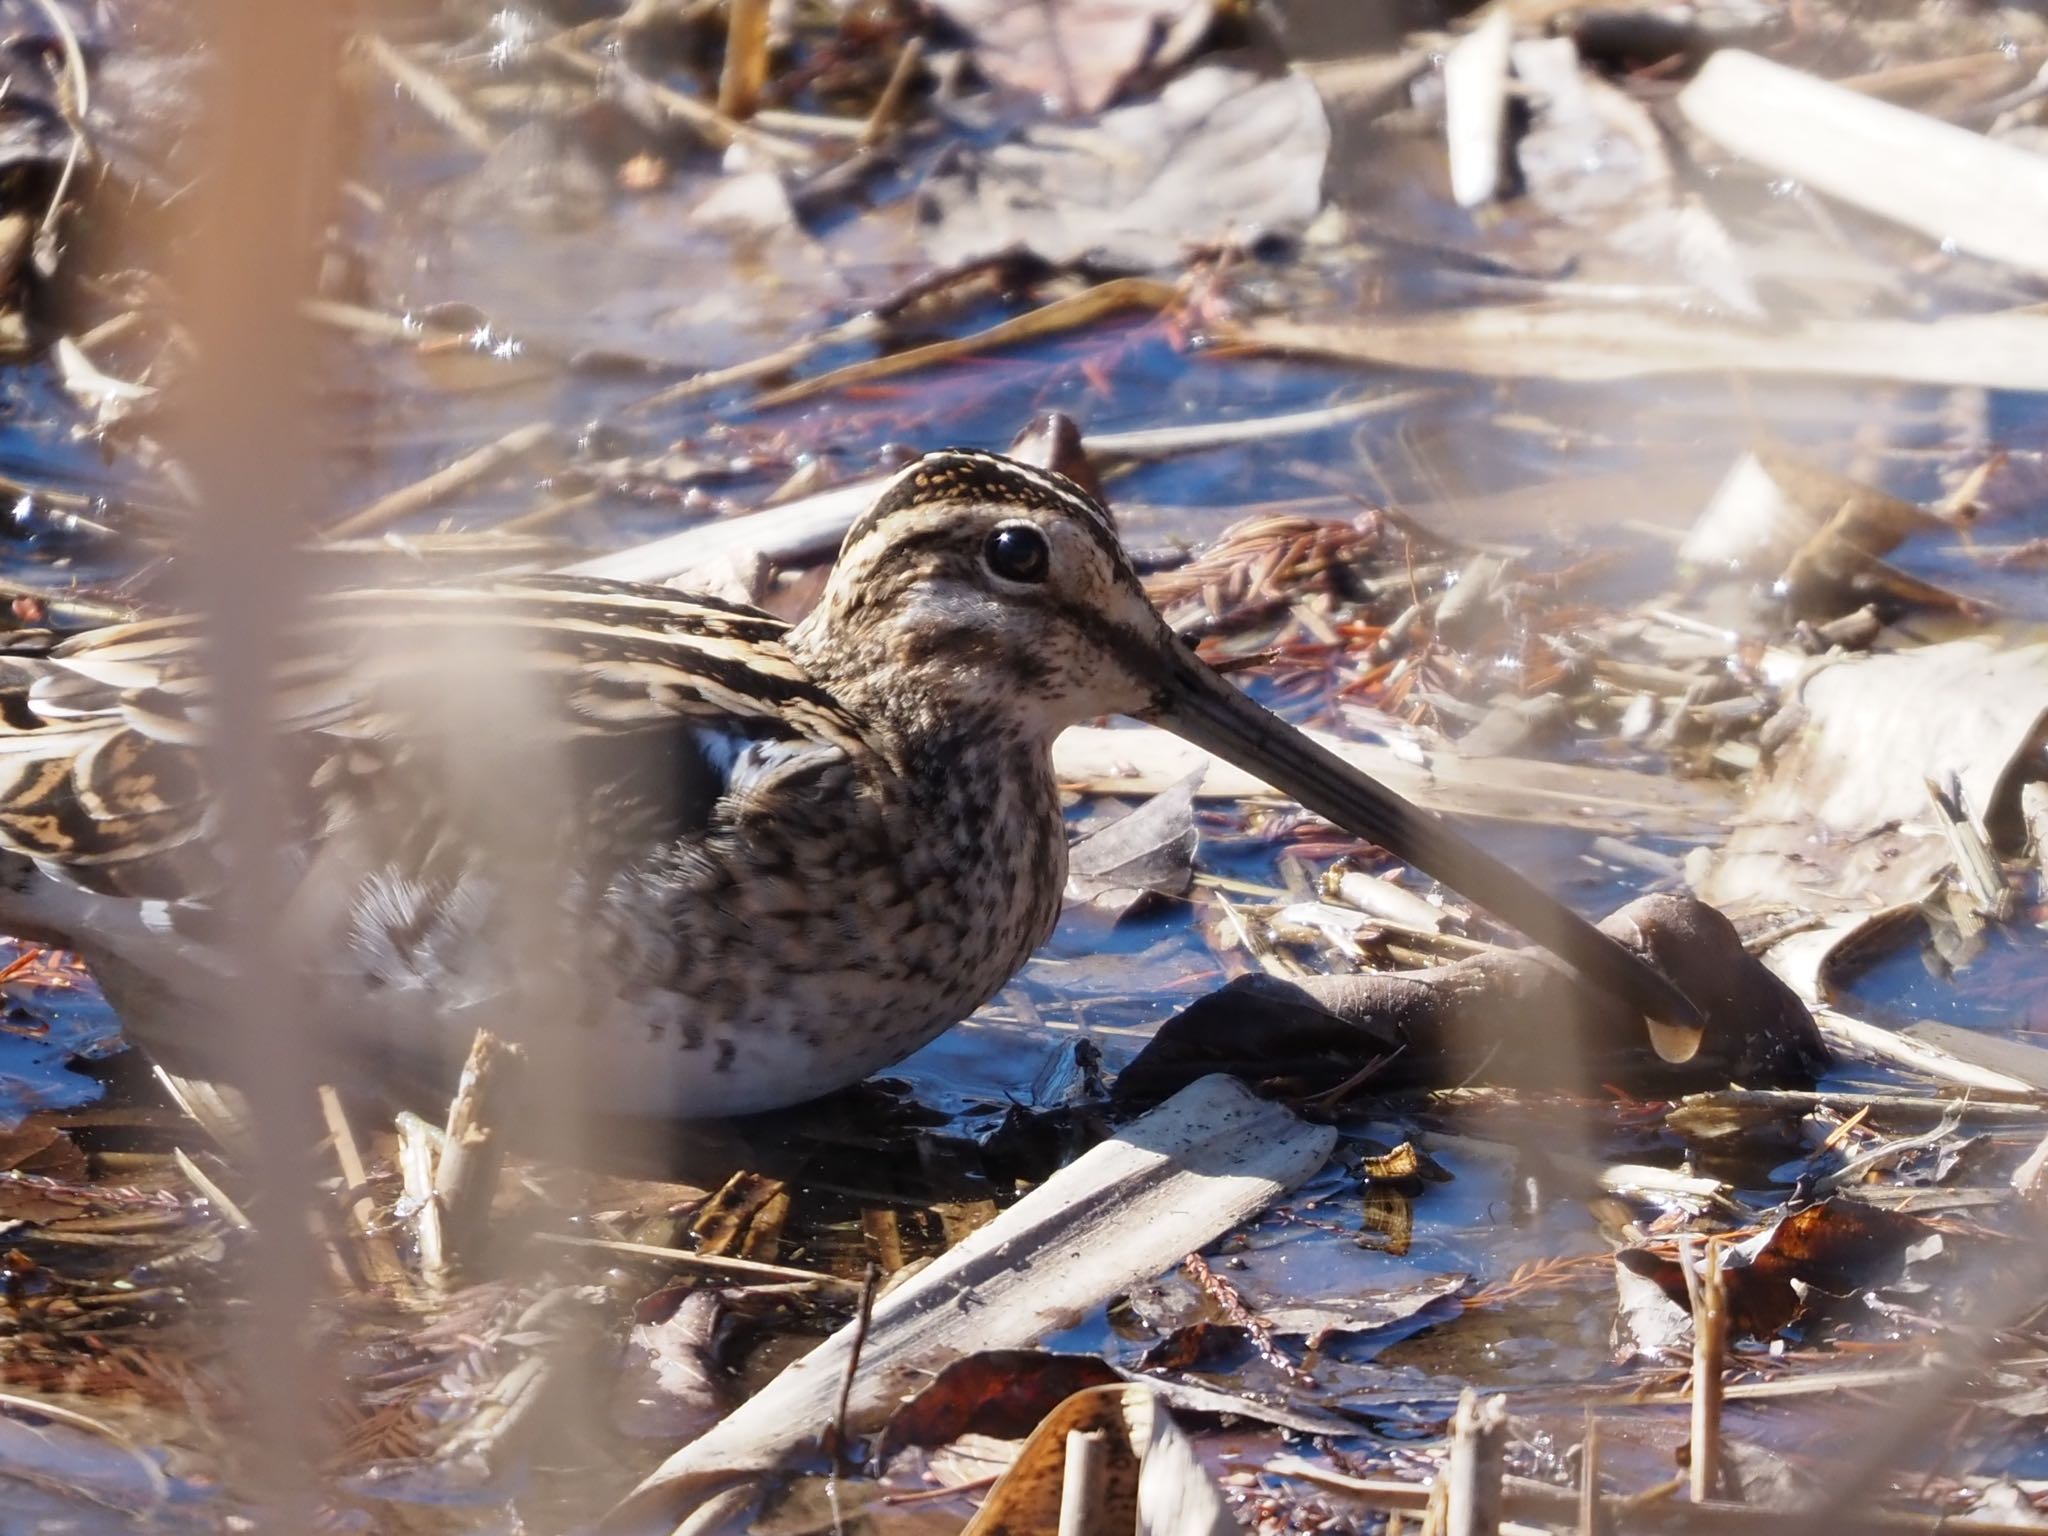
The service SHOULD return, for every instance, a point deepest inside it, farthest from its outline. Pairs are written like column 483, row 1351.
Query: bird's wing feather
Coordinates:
column 661, row 704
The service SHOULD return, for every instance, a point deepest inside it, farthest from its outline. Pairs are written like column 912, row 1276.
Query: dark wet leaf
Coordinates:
column 1833, row 1248
column 1448, row 1023
column 1194, row 1345
column 41, row 1152
column 670, row 1388
column 1220, row 154
column 1000, row 1392
column 1258, row 1027
column 1076, row 53
column 1150, row 852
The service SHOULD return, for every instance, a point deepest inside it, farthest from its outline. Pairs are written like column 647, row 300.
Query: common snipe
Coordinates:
column 797, row 853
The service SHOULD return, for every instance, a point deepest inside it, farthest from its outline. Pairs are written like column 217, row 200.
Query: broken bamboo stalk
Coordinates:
column 472, row 1151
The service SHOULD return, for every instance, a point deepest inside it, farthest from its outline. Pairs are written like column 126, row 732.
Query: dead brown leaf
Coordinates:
column 1221, row 153
column 1077, row 54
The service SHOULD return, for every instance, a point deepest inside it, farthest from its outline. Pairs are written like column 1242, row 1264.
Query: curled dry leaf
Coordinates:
column 1831, row 1249
column 1077, row 54
column 1842, row 824
column 1150, row 1480
column 1821, row 535
column 1221, row 153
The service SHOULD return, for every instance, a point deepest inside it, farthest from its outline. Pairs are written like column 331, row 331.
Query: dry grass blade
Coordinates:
column 431, row 92
column 211, row 1192
column 450, row 480
column 712, row 1264
column 1060, row 315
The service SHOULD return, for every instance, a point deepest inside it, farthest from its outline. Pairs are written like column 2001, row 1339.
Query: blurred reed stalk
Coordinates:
column 247, row 439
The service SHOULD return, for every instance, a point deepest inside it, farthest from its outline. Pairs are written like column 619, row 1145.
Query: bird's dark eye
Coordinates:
column 1018, row 552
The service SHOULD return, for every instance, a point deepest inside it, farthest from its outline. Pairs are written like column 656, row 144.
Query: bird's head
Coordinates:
column 982, row 596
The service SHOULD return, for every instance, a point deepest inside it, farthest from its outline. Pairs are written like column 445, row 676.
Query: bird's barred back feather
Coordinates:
column 101, row 750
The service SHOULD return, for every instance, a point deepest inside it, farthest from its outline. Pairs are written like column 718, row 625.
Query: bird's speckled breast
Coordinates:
column 837, row 926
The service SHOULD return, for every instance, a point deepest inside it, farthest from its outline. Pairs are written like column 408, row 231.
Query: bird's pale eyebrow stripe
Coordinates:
column 961, row 474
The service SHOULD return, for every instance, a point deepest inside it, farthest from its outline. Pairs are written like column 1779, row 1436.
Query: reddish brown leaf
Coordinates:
column 1000, row 1392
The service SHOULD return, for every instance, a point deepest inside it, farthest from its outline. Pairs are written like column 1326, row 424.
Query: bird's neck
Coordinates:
column 924, row 707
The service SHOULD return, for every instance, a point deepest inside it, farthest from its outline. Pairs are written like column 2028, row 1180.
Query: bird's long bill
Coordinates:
column 1201, row 707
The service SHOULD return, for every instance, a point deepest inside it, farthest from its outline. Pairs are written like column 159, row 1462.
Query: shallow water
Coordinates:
column 1562, row 473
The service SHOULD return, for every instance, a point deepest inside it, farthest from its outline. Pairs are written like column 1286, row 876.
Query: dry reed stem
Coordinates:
column 1081, row 1481
column 745, row 73
column 450, row 480
column 1479, row 1434
column 1708, row 1290
column 472, row 1151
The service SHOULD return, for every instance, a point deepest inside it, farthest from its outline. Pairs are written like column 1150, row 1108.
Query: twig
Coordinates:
column 1854, row 1169
column 1479, row 1433
column 1882, row 1106
column 375, row 324
column 746, row 58
column 858, row 328
column 891, row 100
column 704, row 120
column 1165, row 442
column 1081, row 1481
column 682, row 1258
column 861, row 1319
column 1231, row 1303
column 353, row 1170
column 813, row 525
column 431, row 92
column 1975, row 861
column 1870, row 1042
column 443, row 483
column 471, row 1150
